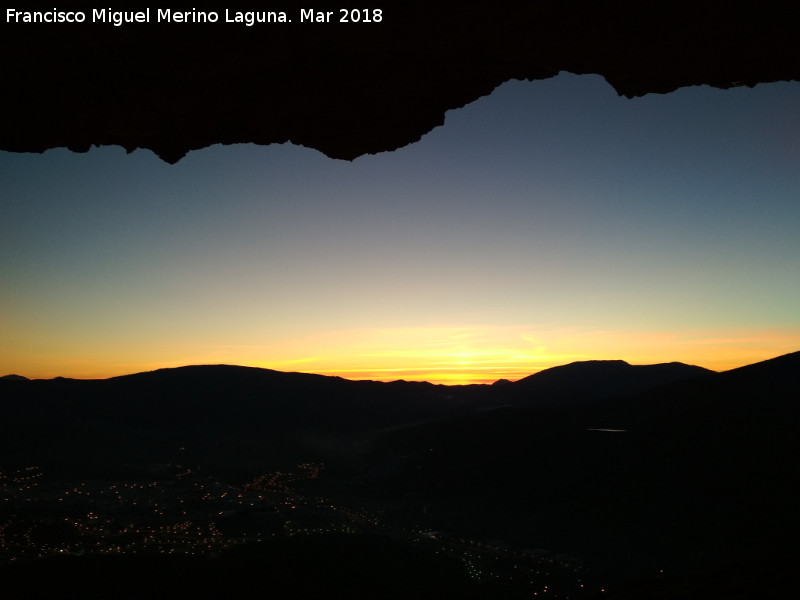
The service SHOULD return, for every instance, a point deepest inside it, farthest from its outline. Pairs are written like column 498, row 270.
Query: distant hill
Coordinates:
column 592, row 380
column 14, row 378
column 222, row 414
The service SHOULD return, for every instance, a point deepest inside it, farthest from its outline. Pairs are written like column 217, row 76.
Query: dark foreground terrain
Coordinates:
column 665, row 481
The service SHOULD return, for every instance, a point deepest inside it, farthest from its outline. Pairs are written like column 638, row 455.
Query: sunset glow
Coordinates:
column 455, row 355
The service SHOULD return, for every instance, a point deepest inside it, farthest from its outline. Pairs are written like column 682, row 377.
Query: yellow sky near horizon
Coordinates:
column 446, row 355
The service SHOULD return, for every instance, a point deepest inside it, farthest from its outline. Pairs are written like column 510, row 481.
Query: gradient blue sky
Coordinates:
column 551, row 221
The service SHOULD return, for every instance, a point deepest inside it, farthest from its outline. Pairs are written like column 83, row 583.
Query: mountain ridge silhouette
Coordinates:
column 197, row 368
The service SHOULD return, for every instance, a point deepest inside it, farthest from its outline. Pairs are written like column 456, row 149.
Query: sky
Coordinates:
column 549, row 222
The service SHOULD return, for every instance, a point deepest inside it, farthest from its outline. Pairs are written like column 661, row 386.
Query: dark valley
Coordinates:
column 640, row 481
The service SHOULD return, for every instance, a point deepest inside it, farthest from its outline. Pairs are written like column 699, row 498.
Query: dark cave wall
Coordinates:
column 352, row 89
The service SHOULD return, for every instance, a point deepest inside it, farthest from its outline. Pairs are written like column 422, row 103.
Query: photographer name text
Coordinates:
column 120, row 18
